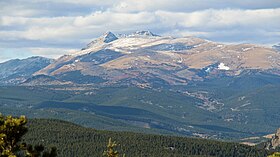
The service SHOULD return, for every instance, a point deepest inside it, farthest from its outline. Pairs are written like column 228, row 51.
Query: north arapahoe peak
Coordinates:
column 143, row 56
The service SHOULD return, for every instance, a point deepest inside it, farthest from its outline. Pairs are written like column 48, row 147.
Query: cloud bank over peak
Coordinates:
column 65, row 25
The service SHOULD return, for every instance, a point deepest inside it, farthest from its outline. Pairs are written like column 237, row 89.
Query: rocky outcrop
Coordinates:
column 275, row 141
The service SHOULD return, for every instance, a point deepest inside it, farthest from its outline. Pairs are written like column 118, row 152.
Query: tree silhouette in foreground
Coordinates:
column 276, row 154
column 12, row 130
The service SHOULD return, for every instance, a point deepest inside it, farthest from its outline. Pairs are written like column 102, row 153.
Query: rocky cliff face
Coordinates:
column 275, row 141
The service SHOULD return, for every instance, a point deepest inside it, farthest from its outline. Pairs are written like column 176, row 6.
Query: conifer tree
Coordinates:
column 110, row 152
column 11, row 131
column 275, row 154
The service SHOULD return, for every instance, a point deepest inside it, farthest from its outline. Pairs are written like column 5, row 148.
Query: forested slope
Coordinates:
column 73, row 140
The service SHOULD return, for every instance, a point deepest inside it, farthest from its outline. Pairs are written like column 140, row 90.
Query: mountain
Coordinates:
column 16, row 71
column 145, row 58
column 145, row 82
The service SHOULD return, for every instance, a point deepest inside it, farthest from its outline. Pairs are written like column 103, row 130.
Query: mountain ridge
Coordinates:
column 143, row 56
column 16, row 71
column 175, row 60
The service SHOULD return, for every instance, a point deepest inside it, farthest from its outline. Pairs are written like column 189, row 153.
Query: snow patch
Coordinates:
column 208, row 70
column 181, row 60
column 228, row 119
column 246, row 49
column 117, row 50
column 222, row 66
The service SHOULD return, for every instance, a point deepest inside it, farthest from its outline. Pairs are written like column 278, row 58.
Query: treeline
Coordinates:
column 75, row 141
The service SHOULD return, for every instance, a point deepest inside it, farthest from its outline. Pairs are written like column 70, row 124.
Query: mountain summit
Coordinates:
column 105, row 38
column 109, row 37
column 143, row 33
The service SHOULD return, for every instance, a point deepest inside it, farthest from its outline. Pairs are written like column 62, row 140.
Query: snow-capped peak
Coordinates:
column 108, row 37
column 105, row 38
column 139, row 34
column 143, row 33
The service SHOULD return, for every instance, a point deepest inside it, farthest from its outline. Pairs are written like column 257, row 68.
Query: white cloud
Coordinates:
column 56, row 28
column 191, row 5
column 84, row 2
column 35, row 21
column 112, row 19
column 199, row 21
column 73, row 23
column 81, row 27
column 223, row 19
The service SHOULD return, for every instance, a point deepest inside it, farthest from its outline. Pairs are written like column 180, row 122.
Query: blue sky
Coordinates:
column 52, row 28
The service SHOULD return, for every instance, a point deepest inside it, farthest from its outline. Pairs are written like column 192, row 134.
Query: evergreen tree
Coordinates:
column 11, row 131
column 110, row 152
column 276, row 154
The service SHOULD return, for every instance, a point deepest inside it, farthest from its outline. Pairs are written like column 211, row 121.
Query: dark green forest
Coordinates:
column 72, row 140
column 163, row 111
